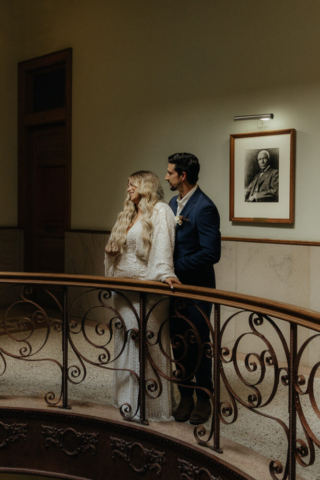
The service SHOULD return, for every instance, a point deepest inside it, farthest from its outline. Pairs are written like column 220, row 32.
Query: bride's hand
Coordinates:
column 171, row 280
column 112, row 254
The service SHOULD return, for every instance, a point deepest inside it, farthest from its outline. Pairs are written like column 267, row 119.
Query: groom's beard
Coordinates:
column 172, row 188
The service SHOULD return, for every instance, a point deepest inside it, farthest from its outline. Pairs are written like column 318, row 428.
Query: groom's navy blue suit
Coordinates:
column 197, row 248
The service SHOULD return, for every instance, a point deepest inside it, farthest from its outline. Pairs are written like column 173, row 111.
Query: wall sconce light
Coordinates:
column 261, row 116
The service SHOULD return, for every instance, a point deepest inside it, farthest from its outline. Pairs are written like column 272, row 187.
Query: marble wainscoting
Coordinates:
column 284, row 273
column 11, row 260
column 84, row 255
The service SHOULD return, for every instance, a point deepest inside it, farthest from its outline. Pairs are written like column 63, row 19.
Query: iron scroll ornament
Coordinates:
column 253, row 363
column 26, row 325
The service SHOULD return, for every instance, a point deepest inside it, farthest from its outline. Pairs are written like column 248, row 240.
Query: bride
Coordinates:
column 141, row 246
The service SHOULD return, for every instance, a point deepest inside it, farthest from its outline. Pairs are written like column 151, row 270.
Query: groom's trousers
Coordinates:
column 178, row 328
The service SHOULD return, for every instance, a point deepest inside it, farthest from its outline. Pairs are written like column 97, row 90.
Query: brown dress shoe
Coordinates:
column 182, row 413
column 201, row 413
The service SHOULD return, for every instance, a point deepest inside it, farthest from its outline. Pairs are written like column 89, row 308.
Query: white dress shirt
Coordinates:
column 183, row 201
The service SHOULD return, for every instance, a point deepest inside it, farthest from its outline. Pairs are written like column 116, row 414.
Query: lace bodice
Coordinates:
column 159, row 265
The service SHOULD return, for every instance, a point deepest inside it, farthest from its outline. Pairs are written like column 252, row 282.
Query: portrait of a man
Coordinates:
column 262, row 175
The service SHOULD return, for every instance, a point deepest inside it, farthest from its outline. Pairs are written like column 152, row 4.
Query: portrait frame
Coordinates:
column 275, row 201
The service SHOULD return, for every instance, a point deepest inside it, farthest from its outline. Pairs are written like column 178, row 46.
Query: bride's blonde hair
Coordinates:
column 151, row 192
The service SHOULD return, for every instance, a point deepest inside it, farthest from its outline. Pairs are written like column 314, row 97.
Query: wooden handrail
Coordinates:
column 297, row 315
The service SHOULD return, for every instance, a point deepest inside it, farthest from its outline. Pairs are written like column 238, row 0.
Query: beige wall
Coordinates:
column 8, row 111
column 153, row 78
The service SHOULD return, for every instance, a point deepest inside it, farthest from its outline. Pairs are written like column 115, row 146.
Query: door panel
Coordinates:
column 50, row 254
column 49, row 197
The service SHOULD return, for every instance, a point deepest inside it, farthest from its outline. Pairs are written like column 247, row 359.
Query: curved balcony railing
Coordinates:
column 278, row 337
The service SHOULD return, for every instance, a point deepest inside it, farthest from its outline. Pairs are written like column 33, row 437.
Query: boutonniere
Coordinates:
column 180, row 219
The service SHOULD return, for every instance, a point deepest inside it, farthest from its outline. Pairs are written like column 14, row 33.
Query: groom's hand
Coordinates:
column 171, row 280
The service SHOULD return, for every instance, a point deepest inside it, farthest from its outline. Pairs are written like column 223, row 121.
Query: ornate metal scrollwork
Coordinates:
column 152, row 459
column 305, row 387
column 14, row 432
column 26, row 327
column 56, row 436
column 105, row 331
column 255, row 363
column 20, row 322
column 181, row 342
column 190, row 472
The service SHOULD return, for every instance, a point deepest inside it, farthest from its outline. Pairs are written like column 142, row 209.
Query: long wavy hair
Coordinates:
column 151, row 192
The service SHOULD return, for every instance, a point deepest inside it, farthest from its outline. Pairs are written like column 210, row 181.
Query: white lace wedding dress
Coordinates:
column 158, row 267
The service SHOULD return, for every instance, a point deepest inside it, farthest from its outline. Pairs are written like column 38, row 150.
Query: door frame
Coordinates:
column 26, row 121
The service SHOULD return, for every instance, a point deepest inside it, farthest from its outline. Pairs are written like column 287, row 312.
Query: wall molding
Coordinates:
column 269, row 240
column 225, row 239
column 80, row 230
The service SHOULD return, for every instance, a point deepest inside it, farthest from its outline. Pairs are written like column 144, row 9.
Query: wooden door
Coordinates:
column 50, row 198
column 45, row 159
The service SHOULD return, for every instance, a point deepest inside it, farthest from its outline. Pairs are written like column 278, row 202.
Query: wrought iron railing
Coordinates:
column 123, row 312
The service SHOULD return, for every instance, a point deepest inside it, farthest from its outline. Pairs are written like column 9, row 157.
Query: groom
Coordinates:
column 197, row 248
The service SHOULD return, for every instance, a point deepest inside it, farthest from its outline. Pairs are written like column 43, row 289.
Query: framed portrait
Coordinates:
column 262, row 167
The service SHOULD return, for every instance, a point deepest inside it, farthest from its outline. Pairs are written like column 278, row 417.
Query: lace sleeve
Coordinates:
column 160, row 262
column 108, row 265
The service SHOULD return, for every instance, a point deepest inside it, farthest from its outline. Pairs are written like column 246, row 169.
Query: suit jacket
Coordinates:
column 198, row 240
column 265, row 186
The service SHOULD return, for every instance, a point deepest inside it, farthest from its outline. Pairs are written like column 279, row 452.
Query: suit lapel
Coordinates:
column 174, row 206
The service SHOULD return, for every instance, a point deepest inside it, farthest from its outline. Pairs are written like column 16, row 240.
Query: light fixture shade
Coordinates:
column 258, row 116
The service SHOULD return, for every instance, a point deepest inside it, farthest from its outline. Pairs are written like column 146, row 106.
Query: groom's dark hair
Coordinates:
column 186, row 162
